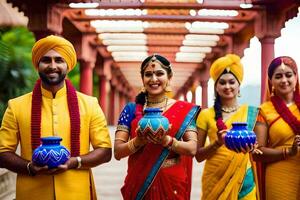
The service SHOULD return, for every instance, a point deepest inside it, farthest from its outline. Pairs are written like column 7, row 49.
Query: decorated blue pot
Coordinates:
column 153, row 122
column 239, row 137
column 50, row 153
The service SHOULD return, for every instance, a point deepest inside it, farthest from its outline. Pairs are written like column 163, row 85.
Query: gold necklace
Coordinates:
column 230, row 109
column 156, row 101
column 163, row 107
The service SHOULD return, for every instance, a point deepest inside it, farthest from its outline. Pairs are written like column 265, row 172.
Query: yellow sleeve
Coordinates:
column 9, row 131
column 99, row 133
column 202, row 120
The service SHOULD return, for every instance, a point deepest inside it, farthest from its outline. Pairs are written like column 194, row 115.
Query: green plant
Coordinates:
column 17, row 76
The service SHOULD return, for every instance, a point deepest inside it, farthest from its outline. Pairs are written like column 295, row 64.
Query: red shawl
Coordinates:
column 36, row 112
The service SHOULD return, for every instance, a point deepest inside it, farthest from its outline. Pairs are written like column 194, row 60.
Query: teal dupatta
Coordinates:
column 249, row 183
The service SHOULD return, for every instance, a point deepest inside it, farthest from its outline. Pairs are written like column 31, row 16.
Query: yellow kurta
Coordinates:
column 72, row 184
column 282, row 177
column 224, row 172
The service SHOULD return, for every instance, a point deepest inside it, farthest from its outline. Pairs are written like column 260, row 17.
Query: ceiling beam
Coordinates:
column 211, row 4
column 163, row 18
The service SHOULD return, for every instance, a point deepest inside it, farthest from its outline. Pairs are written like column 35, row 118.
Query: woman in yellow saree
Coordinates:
column 227, row 174
column 278, row 129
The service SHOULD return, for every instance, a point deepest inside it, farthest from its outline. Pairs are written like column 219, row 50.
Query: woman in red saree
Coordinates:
column 277, row 129
column 159, row 168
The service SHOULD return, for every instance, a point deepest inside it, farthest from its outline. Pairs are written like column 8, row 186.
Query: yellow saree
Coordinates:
column 283, row 177
column 224, row 173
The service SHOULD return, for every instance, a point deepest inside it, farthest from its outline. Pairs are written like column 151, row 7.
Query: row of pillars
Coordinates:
column 110, row 99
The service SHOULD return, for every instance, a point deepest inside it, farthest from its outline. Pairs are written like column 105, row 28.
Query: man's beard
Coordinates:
column 48, row 81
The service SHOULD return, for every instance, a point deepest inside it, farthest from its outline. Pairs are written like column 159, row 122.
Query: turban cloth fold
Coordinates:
column 58, row 44
column 231, row 63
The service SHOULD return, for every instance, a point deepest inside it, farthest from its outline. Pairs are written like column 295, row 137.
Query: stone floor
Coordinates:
column 109, row 178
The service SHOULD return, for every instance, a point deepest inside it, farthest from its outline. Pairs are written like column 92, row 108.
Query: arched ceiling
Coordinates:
column 184, row 31
column 190, row 33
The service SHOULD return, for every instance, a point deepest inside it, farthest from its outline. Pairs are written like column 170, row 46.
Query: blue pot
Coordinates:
column 239, row 137
column 153, row 122
column 50, row 153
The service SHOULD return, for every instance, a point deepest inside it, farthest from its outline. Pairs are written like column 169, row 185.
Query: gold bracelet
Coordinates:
column 168, row 142
column 175, row 144
column 121, row 139
column 131, row 146
column 192, row 139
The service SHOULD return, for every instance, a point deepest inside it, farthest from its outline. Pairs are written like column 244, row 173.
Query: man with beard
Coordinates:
column 54, row 108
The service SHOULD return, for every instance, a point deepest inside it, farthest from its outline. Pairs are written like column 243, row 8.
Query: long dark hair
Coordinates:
column 165, row 64
column 218, row 105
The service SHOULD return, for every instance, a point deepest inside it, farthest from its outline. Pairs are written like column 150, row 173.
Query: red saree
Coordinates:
column 167, row 183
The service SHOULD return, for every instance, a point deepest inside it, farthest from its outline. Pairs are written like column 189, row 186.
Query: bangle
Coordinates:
column 169, row 142
column 79, row 164
column 175, row 144
column 192, row 139
column 120, row 139
column 29, row 170
column 131, row 146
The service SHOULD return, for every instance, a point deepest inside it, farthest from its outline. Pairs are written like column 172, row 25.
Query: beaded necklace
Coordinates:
column 230, row 109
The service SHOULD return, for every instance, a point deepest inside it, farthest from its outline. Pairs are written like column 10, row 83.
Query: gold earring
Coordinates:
column 273, row 91
column 168, row 88
column 143, row 89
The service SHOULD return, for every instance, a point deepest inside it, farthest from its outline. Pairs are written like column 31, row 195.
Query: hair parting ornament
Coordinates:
column 283, row 62
column 283, row 66
column 155, row 59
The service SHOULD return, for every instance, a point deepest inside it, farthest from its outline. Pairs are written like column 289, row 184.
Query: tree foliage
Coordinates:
column 17, row 75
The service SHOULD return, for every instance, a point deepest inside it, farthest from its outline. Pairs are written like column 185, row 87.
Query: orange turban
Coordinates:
column 58, row 44
column 231, row 63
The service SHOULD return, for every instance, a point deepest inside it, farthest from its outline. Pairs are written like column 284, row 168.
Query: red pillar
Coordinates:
column 184, row 95
column 122, row 101
column 116, row 108
column 267, row 54
column 103, row 93
column 204, row 94
column 86, row 77
column 193, row 96
column 111, row 110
